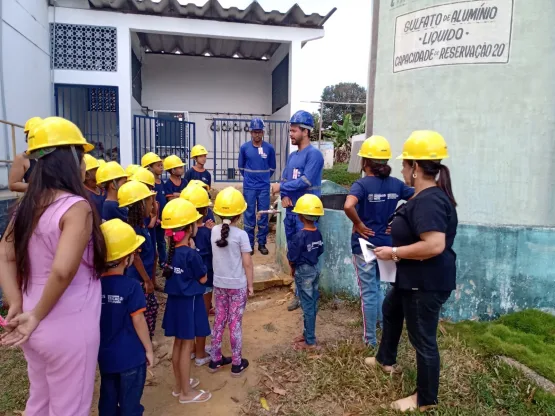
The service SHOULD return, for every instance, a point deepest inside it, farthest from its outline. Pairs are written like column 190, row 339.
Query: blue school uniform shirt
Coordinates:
column 377, row 201
column 305, row 247
column 204, row 248
column 302, row 174
column 209, row 215
column 111, row 210
column 200, row 176
column 170, row 188
column 147, row 252
column 120, row 346
column 160, row 197
column 257, row 165
column 97, row 200
column 188, row 269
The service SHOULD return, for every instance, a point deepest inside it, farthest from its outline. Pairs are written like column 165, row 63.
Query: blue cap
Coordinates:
column 257, row 124
column 304, row 119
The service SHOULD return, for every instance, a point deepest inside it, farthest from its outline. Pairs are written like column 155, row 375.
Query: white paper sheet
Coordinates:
column 388, row 268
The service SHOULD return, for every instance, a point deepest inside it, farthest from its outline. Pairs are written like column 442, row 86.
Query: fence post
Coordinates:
column 13, row 142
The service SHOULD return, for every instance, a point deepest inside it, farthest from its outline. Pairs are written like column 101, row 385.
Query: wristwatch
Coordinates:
column 394, row 256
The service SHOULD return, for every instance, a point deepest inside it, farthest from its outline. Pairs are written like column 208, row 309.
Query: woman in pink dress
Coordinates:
column 51, row 256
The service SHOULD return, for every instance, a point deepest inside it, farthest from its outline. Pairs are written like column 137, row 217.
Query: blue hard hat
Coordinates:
column 304, row 118
column 257, row 124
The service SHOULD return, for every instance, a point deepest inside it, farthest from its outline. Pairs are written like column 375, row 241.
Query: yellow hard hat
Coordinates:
column 131, row 192
column 143, row 175
column 101, row 162
column 198, row 150
column 55, row 132
column 131, row 169
column 178, row 213
column 196, row 195
column 172, row 162
column 109, row 171
column 90, row 162
column 120, row 239
column 229, row 203
column 425, row 145
column 196, row 182
column 309, row 205
column 375, row 147
column 29, row 124
column 149, row 158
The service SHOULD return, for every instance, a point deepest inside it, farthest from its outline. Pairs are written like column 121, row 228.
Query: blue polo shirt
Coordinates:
column 200, row 176
column 204, row 248
column 170, row 188
column 97, row 200
column 160, row 196
column 111, row 210
column 120, row 346
column 209, row 215
column 377, row 201
column 305, row 247
column 302, row 174
column 257, row 165
column 147, row 252
column 188, row 269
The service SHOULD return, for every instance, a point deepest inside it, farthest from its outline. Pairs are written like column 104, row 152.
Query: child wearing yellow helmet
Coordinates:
column 185, row 317
column 125, row 346
column 96, row 193
column 153, row 163
column 110, row 177
column 197, row 171
column 22, row 166
column 305, row 248
column 233, row 279
column 175, row 183
column 138, row 199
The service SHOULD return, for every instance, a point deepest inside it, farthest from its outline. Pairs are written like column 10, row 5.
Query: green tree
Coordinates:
column 343, row 92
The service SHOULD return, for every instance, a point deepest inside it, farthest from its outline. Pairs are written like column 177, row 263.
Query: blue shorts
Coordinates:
column 185, row 317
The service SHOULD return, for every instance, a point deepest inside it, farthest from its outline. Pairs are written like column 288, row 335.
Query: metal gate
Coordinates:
column 229, row 136
column 94, row 109
column 163, row 136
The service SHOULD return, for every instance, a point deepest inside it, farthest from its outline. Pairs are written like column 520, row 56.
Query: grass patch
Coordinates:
column 13, row 380
column 527, row 336
column 339, row 175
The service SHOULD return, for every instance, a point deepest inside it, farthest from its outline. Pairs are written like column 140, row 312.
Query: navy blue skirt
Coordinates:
column 185, row 317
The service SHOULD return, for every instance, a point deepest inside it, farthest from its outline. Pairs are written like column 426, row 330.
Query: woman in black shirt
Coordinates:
column 423, row 231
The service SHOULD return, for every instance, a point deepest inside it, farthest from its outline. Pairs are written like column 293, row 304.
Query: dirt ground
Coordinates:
column 267, row 327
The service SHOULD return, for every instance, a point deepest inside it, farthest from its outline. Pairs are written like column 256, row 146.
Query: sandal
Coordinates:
column 299, row 338
column 306, row 347
column 408, row 404
column 387, row 369
column 194, row 383
column 197, row 398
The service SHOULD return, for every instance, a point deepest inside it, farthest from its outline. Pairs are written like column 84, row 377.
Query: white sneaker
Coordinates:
column 193, row 356
column 199, row 362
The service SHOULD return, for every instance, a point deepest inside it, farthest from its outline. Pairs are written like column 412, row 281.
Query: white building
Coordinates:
column 144, row 75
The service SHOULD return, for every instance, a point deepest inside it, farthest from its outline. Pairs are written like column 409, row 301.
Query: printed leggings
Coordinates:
column 230, row 306
column 151, row 312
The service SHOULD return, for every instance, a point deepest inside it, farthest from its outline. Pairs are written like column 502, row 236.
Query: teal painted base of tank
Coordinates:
column 499, row 269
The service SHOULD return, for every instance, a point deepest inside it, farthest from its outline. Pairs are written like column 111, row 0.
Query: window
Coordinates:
column 280, row 85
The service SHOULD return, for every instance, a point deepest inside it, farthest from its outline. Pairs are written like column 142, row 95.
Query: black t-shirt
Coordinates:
column 430, row 210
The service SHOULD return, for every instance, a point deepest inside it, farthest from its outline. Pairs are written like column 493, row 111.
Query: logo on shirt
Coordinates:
column 296, row 174
column 177, row 270
column 393, row 196
column 376, row 197
column 112, row 299
column 314, row 245
column 261, row 153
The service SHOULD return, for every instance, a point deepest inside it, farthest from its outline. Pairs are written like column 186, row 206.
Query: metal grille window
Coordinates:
column 84, row 48
column 103, row 99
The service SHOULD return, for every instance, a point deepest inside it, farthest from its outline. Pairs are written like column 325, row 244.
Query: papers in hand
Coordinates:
column 388, row 268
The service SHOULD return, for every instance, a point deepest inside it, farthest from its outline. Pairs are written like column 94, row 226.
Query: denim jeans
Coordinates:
column 306, row 280
column 120, row 393
column 257, row 200
column 421, row 311
column 371, row 297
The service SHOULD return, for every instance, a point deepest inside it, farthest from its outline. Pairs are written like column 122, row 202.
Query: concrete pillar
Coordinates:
column 125, row 97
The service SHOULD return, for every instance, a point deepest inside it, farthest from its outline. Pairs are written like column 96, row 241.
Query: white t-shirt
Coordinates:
column 227, row 261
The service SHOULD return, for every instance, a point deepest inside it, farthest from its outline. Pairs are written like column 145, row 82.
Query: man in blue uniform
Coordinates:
column 302, row 175
column 257, row 163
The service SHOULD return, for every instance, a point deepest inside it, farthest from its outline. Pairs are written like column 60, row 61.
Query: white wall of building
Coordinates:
column 25, row 88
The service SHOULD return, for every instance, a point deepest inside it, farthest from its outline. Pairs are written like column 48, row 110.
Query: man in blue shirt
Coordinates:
column 257, row 163
column 302, row 175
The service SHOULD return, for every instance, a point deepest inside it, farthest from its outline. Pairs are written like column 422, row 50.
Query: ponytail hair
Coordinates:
column 168, row 268
column 433, row 168
column 222, row 242
column 377, row 167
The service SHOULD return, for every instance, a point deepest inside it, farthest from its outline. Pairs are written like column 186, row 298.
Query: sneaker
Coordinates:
column 295, row 304
column 215, row 366
column 262, row 248
column 237, row 370
column 199, row 362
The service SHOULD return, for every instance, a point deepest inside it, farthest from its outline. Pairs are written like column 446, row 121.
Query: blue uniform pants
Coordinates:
column 120, row 393
column 161, row 245
column 257, row 200
column 306, row 281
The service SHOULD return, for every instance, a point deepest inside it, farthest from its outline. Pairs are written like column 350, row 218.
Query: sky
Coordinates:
column 342, row 55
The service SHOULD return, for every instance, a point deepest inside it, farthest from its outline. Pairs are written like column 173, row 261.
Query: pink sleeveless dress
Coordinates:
column 63, row 351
